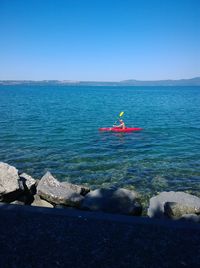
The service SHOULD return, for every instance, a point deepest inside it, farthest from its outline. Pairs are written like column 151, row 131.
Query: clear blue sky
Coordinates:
column 104, row 40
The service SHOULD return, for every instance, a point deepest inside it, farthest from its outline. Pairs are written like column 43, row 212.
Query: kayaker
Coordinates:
column 122, row 124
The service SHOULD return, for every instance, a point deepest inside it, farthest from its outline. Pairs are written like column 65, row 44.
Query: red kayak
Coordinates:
column 117, row 129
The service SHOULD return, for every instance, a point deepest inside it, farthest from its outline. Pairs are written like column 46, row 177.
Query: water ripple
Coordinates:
column 56, row 129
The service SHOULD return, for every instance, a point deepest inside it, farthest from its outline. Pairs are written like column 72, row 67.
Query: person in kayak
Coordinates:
column 121, row 125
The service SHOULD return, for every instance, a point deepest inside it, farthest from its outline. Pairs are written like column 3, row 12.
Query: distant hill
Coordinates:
column 182, row 82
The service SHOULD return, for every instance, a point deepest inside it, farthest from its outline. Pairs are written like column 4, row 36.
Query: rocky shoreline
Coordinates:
column 22, row 189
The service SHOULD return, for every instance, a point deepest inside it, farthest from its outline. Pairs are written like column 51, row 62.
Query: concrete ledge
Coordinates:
column 46, row 237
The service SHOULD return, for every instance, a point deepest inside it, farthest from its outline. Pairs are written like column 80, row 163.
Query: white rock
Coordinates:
column 157, row 203
column 8, row 179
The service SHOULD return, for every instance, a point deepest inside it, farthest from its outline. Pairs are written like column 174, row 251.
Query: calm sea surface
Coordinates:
column 55, row 128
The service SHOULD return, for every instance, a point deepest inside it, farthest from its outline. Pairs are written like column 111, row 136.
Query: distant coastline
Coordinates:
column 181, row 82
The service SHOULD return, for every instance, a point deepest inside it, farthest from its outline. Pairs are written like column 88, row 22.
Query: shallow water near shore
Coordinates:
column 55, row 128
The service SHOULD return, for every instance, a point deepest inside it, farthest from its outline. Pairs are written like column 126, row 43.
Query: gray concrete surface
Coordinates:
column 45, row 237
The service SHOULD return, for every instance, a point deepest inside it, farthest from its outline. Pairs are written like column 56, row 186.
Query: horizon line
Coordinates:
column 77, row 81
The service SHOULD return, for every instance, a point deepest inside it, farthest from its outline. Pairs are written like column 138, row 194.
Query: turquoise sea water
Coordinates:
column 55, row 128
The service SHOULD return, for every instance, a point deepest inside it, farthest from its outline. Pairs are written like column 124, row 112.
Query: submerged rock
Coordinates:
column 114, row 201
column 184, row 202
column 55, row 192
column 9, row 184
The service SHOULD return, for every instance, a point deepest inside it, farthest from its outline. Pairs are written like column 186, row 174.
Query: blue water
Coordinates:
column 55, row 128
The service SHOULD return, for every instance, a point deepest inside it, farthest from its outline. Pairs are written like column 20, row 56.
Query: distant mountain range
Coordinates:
column 182, row 82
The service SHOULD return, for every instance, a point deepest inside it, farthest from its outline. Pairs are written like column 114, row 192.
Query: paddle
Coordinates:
column 120, row 115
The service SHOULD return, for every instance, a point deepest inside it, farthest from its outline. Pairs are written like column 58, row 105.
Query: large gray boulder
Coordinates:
column 173, row 204
column 176, row 210
column 27, row 182
column 9, row 185
column 120, row 201
column 28, row 186
column 54, row 192
column 79, row 189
